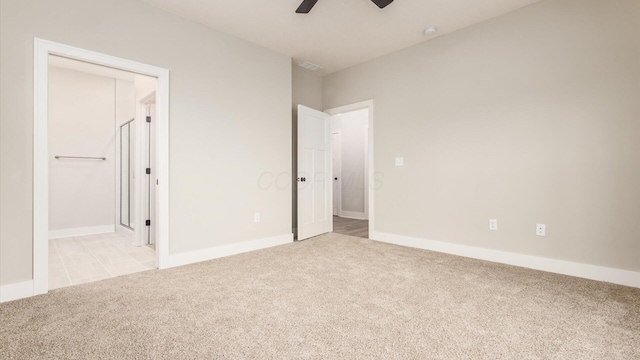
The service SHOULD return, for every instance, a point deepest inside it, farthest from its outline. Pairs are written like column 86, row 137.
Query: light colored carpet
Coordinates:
column 334, row 297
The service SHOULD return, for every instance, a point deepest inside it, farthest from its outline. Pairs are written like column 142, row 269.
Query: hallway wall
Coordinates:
column 84, row 110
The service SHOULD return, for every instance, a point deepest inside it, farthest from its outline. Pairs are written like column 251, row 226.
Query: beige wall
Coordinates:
column 532, row 117
column 230, row 119
column 307, row 88
column 307, row 91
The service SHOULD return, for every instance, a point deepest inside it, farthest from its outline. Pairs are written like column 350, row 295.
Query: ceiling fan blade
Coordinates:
column 306, row 6
column 382, row 3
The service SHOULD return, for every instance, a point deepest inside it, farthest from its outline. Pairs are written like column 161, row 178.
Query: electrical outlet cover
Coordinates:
column 493, row 224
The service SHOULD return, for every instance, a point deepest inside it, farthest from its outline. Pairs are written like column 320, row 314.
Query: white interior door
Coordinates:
column 314, row 173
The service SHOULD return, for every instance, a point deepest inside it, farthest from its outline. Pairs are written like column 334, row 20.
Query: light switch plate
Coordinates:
column 399, row 161
column 256, row 217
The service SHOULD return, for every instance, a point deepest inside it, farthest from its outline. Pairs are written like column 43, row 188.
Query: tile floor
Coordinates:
column 83, row 259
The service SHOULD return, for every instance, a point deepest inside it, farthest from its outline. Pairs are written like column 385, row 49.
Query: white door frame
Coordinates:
column 337, row 195
column 368, row 104
column 142, row 147
column 366, row 170
column 42, row 50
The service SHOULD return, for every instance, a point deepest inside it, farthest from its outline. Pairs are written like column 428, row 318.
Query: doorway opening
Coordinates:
column 96, row 206
column 334, row 171
column 93, row 165
column 350, row 154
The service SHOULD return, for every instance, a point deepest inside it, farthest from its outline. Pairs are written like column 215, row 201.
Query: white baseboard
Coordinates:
column 16, row 291
column 227, row 250
column 92, row 230
column 593, row 272
column 353, row 215
column 125, row 230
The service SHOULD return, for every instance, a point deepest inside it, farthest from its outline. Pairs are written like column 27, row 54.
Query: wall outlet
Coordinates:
column 541, row 229
column 399, row 161
column 493, row 224
column 256, row 217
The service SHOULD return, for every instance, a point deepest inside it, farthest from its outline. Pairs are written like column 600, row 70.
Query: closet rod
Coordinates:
column 80, row 157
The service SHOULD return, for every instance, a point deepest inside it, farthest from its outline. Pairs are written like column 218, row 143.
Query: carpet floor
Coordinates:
column 331, row 297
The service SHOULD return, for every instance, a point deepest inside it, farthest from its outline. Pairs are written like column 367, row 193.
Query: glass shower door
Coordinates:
column 127, row 137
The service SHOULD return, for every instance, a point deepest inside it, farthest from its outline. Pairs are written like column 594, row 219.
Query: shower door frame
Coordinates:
column 119, row 177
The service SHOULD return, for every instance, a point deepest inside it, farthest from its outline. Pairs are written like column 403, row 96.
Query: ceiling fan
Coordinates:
column 307, row 5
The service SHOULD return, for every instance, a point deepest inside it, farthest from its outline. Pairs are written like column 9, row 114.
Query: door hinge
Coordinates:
column 148, row 119
column 147, row 223
column 148, row 171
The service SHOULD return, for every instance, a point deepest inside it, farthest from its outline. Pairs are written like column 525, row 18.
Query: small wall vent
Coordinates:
column 310, row 66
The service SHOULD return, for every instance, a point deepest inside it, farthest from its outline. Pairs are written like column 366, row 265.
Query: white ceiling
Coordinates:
column 337, row 33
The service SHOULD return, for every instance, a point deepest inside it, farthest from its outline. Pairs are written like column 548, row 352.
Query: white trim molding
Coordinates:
column 353, row 215
column 228, row 250
column 336, row 161
column 586, row 271
column 92, row 230
column 16, row 291
column 142, row 148
column 41, row 51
